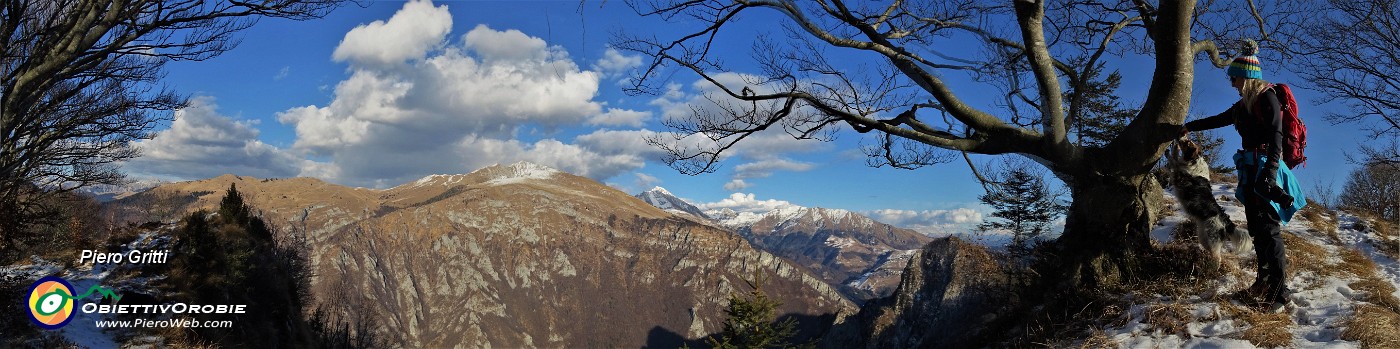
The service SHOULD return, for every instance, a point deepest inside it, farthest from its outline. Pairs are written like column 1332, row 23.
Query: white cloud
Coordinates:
column 614, row 62
column 201, row 143
column 282, row 74
column 461, row 109
column 931, row 222
column 620, row 117
column 760, row 169
column 646, row 181
column 509, row 45
column 740, row 202
column 409, row 34
column 580, row 161
column 736, row 185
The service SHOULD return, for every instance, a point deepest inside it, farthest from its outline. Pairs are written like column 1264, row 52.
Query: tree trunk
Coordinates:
column 1107, row 230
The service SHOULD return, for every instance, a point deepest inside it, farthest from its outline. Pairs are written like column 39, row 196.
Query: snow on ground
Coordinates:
column 839, row 242
column 1321, row 303
column 522, row 171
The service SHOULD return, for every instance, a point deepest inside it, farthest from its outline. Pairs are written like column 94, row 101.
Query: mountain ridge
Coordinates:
column 514, row 253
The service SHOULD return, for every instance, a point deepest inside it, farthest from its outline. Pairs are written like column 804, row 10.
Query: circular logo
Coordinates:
column 51, row 302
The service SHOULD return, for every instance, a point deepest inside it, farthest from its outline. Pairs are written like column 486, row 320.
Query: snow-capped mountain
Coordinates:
column 843, row 248
column 664, row 200
column 847, row 250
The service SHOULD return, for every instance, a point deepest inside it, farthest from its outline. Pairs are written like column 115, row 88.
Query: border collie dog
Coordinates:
column 1188, row 174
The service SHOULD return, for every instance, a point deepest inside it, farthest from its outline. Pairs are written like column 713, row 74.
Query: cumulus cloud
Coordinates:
column 201, row 143
column 615, row 63
column 736, row 185
column 741, row 202
column 505, row 45
column 460, row 107
column 409, row 34
column 930, row 222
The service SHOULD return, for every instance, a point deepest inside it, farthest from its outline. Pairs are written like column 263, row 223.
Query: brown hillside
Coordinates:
column 519, row 255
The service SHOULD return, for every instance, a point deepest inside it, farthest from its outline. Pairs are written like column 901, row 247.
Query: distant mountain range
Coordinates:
column 858, row 255
column 107, row 192
column 519, row 255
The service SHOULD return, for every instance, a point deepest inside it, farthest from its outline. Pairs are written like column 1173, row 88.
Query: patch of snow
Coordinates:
column 520, row 172
column 441, row 179
column 660, row 190
column 37, row 268
column 899, row 260
column 839, row 242
column 739, row 219
column 1366, row 243
column 1321, row 303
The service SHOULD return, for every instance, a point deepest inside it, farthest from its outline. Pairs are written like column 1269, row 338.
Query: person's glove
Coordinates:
column 1268, row 183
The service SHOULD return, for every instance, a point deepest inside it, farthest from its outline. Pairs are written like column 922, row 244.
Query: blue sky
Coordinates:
column 381, row 95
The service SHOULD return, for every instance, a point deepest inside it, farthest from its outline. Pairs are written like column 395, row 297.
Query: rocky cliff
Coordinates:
column 520, row 255
column 948, row 297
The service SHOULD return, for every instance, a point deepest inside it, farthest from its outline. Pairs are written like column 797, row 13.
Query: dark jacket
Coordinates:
column 1261, row 131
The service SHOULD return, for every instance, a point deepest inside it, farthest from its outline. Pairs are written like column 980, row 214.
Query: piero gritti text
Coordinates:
column 132, row 257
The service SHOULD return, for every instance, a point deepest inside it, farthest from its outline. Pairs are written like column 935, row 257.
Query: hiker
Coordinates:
column 1266, row 189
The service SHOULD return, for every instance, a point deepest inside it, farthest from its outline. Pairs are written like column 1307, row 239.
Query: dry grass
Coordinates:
column 1378, row 292
column 1265, row 330
column 1356, row 263
column 1226, row 177
column 1098, row 340
column 1171, row 319
column 1320, row 219
column 1374, row 327
column 1308, row 256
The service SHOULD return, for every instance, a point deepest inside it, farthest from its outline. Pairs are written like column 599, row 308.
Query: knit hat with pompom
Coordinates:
column 1247, row 65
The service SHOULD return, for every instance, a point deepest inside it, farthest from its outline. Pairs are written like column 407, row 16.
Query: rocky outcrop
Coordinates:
column 522, row 256
column 949, row 296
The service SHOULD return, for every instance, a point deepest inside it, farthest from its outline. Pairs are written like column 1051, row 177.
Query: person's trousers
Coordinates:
column 1264, row 228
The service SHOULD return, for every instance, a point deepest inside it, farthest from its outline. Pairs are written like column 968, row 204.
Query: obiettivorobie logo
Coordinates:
column 51, row 301
column 52, row 305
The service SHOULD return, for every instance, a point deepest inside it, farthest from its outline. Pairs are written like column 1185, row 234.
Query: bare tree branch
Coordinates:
column 79, row 80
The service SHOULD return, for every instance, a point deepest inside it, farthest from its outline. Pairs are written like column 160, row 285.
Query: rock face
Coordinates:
column 521, row 255
column 841, row 247
column 948, row 296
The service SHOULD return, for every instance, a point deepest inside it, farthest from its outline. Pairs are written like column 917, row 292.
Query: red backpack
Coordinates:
column 1295, row 134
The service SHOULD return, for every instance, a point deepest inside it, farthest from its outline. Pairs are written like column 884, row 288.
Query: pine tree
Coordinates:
column 752, row 322
column 1025, row 207
column 1098, row 116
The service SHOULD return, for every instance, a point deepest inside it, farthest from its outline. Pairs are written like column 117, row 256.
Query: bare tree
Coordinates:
column 1032, row 51
column 1352, row 60
column 79, row 80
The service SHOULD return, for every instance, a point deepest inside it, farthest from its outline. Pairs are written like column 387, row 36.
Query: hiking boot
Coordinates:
column 1252, row 295
column 1275, row 307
